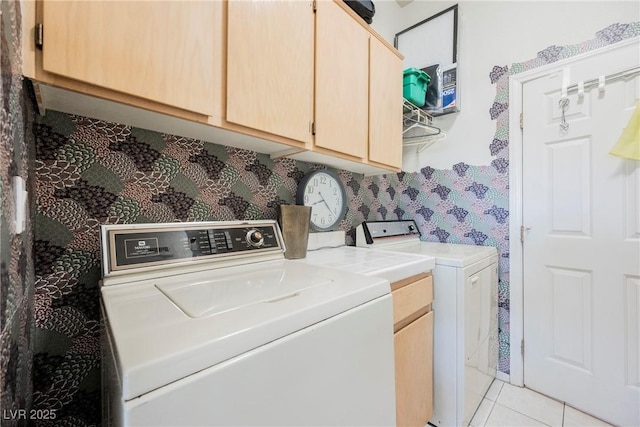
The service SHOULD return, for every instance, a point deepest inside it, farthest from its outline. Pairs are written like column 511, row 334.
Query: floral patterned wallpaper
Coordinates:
column 89, row 172
column 16, row 259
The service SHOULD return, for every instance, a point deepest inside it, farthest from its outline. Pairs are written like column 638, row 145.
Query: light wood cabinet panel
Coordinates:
column 410, row 299
column 250, row 74
column 270, row 67
column 414, row 372
column 159, row 51
column 342, row 82
column 385, row 105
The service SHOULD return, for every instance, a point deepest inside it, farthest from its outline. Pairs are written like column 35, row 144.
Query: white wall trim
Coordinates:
column 502, row 376
column 515, row 222
column 516, row 286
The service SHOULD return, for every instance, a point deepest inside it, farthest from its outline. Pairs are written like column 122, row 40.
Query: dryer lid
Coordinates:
column 450, row 254
column 404, row 236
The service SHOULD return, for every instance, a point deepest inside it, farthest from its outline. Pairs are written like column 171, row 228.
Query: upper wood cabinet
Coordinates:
column 342, row 82
column 270, row 67
column 159, row 51
column 307, row 80
column 358, row 89
column 385, row 105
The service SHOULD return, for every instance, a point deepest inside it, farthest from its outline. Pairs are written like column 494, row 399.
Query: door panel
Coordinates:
column 342, row 82
column 161, row 51
column 632, row 200
column 569, row 196
column 270, row 67
column 385, row 105
column 582, row 255
column 478, row 309
column 480, row 335
column 571, row 330
column 414, row 372
column 632, row 343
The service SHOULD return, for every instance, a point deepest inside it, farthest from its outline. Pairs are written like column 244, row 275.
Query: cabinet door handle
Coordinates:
column 474, row 280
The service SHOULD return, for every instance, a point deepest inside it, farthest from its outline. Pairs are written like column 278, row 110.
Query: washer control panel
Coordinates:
column 154, row 244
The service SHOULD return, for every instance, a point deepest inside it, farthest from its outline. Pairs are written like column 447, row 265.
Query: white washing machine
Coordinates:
column 465, row 306
column 208, row 324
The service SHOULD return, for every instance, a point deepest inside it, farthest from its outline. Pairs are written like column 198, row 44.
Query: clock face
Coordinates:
column 323, row 191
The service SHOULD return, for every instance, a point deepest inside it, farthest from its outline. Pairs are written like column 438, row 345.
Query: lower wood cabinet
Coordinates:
column 413, row 325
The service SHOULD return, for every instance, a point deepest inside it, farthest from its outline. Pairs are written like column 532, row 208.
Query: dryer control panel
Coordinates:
column 146, row 245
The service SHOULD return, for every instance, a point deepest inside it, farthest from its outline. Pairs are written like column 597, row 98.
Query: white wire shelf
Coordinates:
column 417, row 128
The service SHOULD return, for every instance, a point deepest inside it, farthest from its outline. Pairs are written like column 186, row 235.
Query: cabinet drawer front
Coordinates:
column 409, row 299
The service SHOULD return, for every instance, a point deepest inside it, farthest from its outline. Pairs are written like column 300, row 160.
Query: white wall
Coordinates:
column 387, row 18
column 494, row 33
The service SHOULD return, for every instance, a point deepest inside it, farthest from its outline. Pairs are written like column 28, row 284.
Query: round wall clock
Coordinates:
column 324, row 192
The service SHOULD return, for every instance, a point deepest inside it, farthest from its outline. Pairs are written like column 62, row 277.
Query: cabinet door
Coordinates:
column 414, row 372
column 385, row 105
column 270, row 67
column 160, row 51
column 342, row 82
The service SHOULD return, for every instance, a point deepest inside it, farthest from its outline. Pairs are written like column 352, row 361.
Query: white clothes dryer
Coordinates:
column 465, row 306
column 207, row 324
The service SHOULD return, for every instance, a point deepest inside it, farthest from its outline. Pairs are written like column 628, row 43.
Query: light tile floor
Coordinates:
column 505, row 405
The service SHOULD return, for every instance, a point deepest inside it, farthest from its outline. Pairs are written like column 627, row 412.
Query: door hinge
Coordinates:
column 521, row 121
column 522, row 348
column 523, row 230
column 315, row 6
column 313, row 128
column 39, row 35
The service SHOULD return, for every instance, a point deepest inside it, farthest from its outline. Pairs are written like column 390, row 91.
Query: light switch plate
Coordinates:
column 20, row 194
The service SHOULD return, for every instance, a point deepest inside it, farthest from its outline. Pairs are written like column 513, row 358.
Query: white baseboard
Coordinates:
column 503, row 377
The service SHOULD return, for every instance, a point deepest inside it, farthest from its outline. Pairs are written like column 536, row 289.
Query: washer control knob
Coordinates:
column 411, row 228
column 255, row 238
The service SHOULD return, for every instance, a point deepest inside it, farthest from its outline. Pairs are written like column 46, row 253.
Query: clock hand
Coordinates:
column 325, row 202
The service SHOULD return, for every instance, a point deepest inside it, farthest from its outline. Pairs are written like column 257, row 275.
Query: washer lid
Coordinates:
column 167, row 329
column 226, row 292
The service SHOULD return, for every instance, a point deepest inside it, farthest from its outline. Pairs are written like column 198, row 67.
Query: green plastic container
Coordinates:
column 414, row 86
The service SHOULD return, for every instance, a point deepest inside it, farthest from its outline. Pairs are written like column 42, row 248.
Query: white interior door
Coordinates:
column 581, row 267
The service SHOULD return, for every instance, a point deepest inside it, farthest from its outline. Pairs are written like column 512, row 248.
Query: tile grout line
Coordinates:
column 528, row 416
column 493, row 405
column 493, row 402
